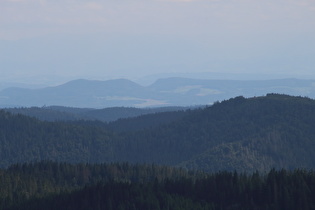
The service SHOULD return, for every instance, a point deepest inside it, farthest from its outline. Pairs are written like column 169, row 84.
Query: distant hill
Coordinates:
column 59, row 113
column 243, row 134
column 78, row 93
column 164, row 92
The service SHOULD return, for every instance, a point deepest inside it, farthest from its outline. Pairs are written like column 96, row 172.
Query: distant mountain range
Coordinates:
column 164, row 92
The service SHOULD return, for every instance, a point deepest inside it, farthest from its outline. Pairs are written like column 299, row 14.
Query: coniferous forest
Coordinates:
column 51, row 185
column 241, row 153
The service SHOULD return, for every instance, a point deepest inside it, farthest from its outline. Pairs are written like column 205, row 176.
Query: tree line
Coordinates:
column 51, row 185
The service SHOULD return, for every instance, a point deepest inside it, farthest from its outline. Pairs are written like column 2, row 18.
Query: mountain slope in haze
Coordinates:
column 59, row 113
column 208, row 91
column 79, row 93
column 259, row 133
column 164, row 92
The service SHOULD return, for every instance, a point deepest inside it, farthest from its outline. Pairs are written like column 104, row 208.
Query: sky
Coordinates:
column 52, row 41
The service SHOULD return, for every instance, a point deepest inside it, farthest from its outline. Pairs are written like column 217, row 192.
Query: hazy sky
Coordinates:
column 55, row 40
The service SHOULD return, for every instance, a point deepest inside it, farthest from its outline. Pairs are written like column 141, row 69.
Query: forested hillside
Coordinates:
column 237, row 134
column 25, row 139
column 260, row 133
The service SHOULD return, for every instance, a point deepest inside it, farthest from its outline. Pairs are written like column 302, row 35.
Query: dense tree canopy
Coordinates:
column 50, row 185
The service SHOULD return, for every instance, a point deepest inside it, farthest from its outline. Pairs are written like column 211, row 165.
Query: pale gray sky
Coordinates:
column 57, row 40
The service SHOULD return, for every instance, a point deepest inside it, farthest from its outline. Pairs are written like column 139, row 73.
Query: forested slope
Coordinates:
column 237, row 134
column 25, row 139
column 260, row 133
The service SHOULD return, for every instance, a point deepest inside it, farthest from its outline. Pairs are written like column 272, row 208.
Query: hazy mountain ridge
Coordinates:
column 164, row 92
column 78, row 93
column 59, row 113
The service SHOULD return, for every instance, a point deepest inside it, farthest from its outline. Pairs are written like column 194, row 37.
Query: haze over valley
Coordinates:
column 163, row 92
